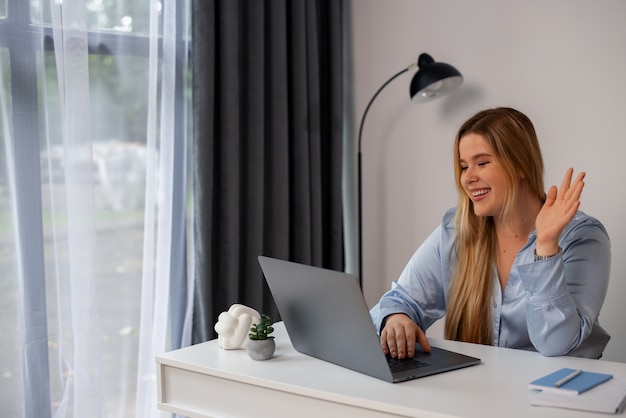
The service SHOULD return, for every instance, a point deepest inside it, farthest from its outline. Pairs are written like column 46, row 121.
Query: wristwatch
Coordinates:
column 545, row 257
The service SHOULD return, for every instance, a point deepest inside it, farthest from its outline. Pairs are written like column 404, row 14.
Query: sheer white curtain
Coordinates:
column 93, row 197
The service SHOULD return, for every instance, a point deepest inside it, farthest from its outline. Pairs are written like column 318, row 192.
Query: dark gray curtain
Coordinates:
column 267, row 146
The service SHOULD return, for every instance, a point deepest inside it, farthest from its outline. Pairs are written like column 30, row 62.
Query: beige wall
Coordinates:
column 562, row 62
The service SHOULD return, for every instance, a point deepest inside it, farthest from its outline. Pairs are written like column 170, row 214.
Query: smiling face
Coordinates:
column 481, row 176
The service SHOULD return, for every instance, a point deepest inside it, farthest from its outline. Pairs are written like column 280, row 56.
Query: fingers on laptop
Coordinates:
column 399, row 336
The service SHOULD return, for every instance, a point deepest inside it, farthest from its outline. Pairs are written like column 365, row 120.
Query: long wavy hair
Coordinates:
column 515, row 147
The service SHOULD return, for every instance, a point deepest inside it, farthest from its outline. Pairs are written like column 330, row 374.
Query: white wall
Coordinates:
column 562, row 62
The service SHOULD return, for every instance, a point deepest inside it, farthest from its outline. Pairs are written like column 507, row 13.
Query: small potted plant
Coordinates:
column 261, row 344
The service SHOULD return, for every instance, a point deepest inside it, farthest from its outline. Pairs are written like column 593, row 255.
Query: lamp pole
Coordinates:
column 360, row 169
column 434, row 79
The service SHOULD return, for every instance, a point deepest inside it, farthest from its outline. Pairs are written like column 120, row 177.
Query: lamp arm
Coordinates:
column 410, row 67
column 359, row 168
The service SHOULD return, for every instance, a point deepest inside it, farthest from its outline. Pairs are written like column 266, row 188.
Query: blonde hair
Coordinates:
column 515, row 147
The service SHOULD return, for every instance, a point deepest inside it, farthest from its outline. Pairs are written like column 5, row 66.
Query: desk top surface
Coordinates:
column 497, row 387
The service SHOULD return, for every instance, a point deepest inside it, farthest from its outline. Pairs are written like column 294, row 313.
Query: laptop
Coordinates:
column 326, row 317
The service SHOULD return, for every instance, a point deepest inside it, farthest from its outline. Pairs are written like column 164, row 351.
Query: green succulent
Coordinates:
column 263, row 329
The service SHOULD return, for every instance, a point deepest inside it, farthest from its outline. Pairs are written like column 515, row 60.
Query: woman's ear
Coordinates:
column 522, row 175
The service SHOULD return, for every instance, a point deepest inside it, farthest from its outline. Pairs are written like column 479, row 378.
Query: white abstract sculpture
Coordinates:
column 233, row 326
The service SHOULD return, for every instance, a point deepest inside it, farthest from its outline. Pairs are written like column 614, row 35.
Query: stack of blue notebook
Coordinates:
column 579, row 389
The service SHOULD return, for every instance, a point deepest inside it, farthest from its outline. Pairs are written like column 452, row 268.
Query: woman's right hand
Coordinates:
column 399, row 336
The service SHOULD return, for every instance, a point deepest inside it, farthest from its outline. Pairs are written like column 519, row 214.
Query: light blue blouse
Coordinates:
column 550, row 306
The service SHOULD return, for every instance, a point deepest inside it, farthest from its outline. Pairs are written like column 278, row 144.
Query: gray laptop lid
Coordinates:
column 326, row 317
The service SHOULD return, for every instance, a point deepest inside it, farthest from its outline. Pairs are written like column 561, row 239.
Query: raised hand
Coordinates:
column 558, row 209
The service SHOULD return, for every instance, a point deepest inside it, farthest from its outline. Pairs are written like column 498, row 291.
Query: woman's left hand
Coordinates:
column 559, row 208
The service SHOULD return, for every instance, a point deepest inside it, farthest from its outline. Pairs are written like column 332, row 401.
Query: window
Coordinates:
column 59, row 299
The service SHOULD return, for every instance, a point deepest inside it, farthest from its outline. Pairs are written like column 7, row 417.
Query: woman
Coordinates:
column 510, row 266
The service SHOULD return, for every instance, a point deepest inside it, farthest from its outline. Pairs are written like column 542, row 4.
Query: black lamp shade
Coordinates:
column 433, row 79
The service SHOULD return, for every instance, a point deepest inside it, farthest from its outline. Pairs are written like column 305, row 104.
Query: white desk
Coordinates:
column 206, row 381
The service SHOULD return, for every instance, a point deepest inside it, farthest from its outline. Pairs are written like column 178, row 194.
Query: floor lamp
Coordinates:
column 432, row 80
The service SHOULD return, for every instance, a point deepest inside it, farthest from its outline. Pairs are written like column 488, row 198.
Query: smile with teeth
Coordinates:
column 480, row 192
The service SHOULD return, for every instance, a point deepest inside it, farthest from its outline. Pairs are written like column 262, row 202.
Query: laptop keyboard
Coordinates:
column 399, row 365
